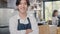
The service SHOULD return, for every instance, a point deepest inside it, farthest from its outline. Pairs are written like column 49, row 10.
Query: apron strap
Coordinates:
column 29, row 24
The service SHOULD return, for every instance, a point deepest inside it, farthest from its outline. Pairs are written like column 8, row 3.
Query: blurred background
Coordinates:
column 41, row 9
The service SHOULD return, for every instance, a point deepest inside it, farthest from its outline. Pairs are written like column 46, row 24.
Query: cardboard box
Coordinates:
column 44, row 29
column 53, row 29
column 58, row 30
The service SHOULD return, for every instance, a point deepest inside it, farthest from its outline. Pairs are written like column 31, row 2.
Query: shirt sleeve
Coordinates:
column 34, row 26
column 12, row 27
column 54, row 21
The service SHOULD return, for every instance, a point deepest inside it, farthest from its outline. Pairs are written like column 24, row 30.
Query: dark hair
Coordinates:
column 18, row 2
column 54, row 13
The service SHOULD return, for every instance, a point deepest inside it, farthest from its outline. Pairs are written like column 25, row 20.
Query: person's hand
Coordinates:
column 28, row 31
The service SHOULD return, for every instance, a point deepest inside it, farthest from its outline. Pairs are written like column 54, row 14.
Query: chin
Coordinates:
column 23, row 12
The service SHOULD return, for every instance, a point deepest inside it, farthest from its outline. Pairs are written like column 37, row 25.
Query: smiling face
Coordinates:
column 56, row 13
column 22, row 7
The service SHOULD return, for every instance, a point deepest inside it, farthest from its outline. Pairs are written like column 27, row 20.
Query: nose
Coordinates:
column 23, row 5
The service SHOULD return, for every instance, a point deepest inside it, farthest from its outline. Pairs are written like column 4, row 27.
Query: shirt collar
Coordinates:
column 18, row 17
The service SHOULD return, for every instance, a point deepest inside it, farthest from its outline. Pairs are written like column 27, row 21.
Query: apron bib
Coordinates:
column 24, row 26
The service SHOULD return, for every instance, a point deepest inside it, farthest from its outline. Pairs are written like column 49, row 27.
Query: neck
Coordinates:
column 23, row 15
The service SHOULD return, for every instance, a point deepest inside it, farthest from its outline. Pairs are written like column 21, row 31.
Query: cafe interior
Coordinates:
column 42, row 11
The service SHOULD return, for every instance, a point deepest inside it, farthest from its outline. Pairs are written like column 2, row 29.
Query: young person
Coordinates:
column 23, row 23
column 55, row 17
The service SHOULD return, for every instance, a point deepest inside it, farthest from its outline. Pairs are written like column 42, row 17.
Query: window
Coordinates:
column 49, row 7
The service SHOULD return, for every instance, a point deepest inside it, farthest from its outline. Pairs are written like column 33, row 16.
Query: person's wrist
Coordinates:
column 28, row 31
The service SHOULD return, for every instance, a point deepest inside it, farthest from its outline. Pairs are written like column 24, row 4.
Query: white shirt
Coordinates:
column 13, row 22
column 55, row 20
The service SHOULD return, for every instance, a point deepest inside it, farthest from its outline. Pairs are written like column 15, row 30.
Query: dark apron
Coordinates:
column 24, row 26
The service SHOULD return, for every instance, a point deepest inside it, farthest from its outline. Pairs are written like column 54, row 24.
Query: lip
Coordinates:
column 22, row 8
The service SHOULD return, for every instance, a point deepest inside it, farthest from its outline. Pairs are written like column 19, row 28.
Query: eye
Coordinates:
column 25, row 3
